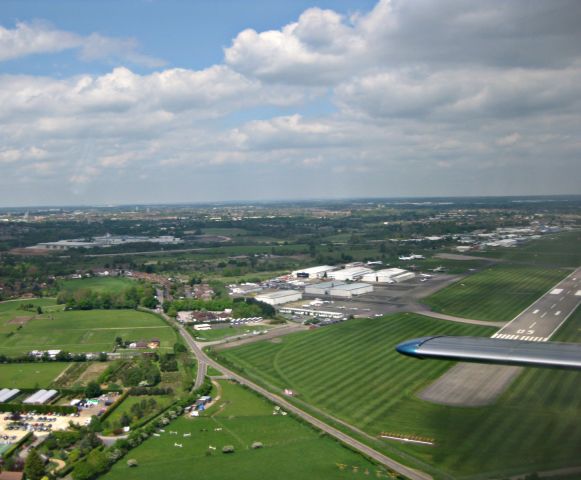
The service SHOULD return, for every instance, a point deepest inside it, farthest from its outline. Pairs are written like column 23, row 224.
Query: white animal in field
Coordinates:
column 173, row 433
column 162, row 431
column 210, row 447
column 156, row 435
column 218, row 429
column 187, row 434
column 178, row 445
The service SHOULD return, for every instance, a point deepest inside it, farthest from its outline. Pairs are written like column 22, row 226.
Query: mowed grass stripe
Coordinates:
column 367, row 384
column 497, row 293
column 356, row 358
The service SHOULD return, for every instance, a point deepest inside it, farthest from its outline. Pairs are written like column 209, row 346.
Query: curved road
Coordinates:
column 203, row 359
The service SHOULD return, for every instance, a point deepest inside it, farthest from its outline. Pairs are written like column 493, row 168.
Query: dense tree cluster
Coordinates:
column 85, row 299
column 143, row 371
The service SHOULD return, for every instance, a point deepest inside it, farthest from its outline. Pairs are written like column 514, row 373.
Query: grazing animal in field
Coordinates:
column 210, row 447
column 156, row 435
column 162, row 431
column 178, row 445
column 187, row 434
column 173, row 433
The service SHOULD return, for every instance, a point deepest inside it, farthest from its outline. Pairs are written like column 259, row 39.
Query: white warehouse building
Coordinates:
column 322, row 288
column 279, row 297
column 313, row 272
column 402, row 277
column 353, row 273
column 383, row 276
column 339, row 289
column 348, row 290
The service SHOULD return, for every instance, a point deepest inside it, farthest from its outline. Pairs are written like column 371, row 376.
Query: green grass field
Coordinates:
column 83, row 331
column 125, row 407
column 498, row 293
column 10, row 310
column 291, row 449
column 350, row 363
column 97, row 284
column 30, row 375
column 351, row 371
column 556, row 250
column 219, row 333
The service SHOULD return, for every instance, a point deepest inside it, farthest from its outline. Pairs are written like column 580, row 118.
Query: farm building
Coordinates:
column 383, row 276
column 349, row 290
column 6, row 394
column 279, row 297
column 40, row 397
column 351, row 274
column 313, row 272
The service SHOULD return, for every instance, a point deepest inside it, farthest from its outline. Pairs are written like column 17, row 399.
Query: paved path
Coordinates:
column 339, row 435
column 442, row 316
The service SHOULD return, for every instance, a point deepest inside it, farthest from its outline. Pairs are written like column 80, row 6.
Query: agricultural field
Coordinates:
column 291, row 450
column 30, row 375
column 498, row 293
column 83, row 331
column 97, row 284
column 12, row 315
column 552, row 250
column 351, row 371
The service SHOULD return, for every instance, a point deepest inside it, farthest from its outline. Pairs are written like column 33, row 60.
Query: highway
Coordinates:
column 544, row 317
column 380, row 458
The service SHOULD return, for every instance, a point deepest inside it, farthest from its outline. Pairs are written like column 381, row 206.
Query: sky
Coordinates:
column 135, row 101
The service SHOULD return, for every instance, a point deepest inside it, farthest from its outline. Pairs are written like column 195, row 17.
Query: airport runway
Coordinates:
column 472, row 384
column 544, row 317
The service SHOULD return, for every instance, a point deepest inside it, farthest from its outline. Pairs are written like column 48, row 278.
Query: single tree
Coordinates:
column 34, row 466
column 93, row 389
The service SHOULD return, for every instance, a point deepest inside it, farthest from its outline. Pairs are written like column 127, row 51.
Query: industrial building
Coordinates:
column 6, row 394
column 351, row 274
column 383, row 276
column 339, row 289
column 349, row 290
column 40, row 397
column 322, row 288
column 402, row 277
column 311, row 312
column 388, row 275
column 313, row 272
column 279, row 297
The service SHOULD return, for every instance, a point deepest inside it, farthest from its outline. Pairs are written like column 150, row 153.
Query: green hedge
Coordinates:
column 22, row 407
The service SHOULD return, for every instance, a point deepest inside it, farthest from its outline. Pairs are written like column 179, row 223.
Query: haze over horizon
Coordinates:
column 174, row 102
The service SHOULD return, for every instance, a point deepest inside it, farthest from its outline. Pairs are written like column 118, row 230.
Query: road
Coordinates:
column 203, row 359
column 544, row 317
